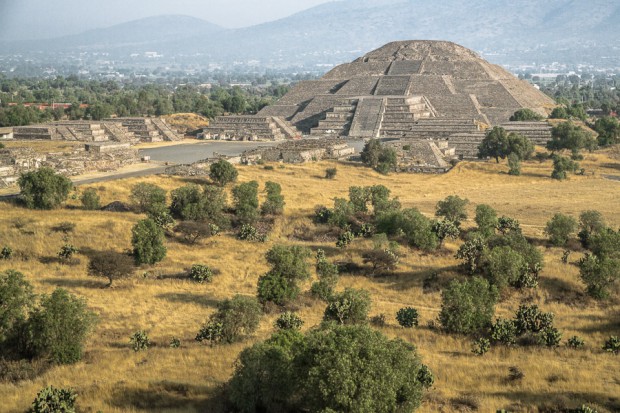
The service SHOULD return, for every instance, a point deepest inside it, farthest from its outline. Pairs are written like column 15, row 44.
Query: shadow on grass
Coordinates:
column 559, row 402
column 75, row 283
column 168, row 395
column 562, row 291
column 190, row 298
column 430, row 280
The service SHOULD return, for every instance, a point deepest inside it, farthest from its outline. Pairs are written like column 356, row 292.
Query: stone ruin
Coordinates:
column 249, row 128
column 411, row 89
column 131, row 130
column 298, row 151
column 423, row 156
column 100, row 156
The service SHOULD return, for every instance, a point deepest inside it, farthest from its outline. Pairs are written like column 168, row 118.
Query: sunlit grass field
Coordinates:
column 113, row 378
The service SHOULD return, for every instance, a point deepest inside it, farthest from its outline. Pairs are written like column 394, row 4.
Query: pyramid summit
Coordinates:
column 412, row 89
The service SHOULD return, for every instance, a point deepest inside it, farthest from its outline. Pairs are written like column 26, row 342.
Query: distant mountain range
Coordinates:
column 338, row 31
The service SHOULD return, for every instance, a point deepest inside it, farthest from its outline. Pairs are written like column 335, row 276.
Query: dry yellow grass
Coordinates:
column 112, row 378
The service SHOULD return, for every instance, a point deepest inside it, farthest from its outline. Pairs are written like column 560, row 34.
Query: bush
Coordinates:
column 575, row 342
column 344, row 239
column 16, row 299
column 590, row 223
column 523, row 115
column 245, row 198
column 471, row 252
column 481, row 346
column 416, row 228
column 514, row 164
column 201, row 273
column 486, row 220
column 467, row 306
column 529, row 319
column 148, row 242
column 43, row 188
column 599, row 274
column 53, row 400
column 90, row 199
column 379, row 157
column 289, row 321
column 66, row 252
column 58, row 328
column 328, row 277
column 274, row 202
column 145, row 196
column 175, row 342
column 192, row 203
column 111, row 265
column 550, row 337
column 562, row 165
column 453, row 209
column 407, row 317
column 504, row 332
column 560, row 228
column 506, row 225
column 445, row 229
column 160, row 213
column 289, row 265
column 331, row 369
column 504, row 266
column 237, row 317
column 330, row 173
column 223, row 172
column 250, row 233
column 612, row 345
column 6, row 253
column 140, row 341
column 515, row 374
column 349, row 307
column 193, row 231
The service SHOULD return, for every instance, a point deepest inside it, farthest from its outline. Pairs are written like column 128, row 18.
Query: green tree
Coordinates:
column 560, row 228
column 608, row 129
column 57, row 329
column 561, row 165
column 416, row 228
column 43, row 188
column 453, row 209
column 599, row 274
column 339, row 366
column 520, row 146
column 590, row 222
column 192, row 203
column 16, row 300
column 223, row 172
column 238, row 317
column 274, row 202
column 524, row 115
column 569, row 136
column 148, row 242
column 111, row 265
column 90, row 199
column 349, row 307
column 328, row 277
column 468, row 306
column 486, row 220
column 445, row 229
column 494, row 144
column 605, row 243
column 146, row 197
column 514, row 164
column 380, row 157
column 288, row 266
column 407, row 317
column 245, row 198
column 504, row 266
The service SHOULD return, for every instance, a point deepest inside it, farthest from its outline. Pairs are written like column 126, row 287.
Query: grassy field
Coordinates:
column 112, row 378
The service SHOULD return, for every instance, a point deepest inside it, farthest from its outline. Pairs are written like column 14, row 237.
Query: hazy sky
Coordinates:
column 21, row 19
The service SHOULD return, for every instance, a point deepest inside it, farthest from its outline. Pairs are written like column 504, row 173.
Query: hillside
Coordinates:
column 160, row 299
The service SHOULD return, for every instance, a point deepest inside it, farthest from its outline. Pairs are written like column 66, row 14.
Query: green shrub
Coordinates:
column 330, row 173
column 43, row 188
column 53, row 400
column 328, row 277
column 486, row 220
column 289, row 321
column 504, row 266
column 140, row 341
column 245, row 198
column 560, row 228
column 175, row 342
column 599, row 274
column 148, row 242
column 612, row 345
column 575, row 342
column 472, row 252
column 223, row 172
column 111, row 265
column 453, row 209
column 379, row 156
column 145, row 197
column 344, row 239
column 550, row 337
column 523, row 115
column 16, row 300
column 57, row 329
column 514, row 164
column 67, row 252
column 349, row 307
column 504, row 332
column 445, row 229
column 201, row 273
column 233, row 319
column 506, row 225
column 529, row 319
column 590, row 223
column 481, row 346
column 6, row 253
column 274, row 202
column 407, row 317
column 468, row 306
column 562, row 165
column 90, row 199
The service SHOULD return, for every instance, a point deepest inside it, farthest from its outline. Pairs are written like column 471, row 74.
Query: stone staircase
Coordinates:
column 368, row 117
column 338, row 120
column 168, row 133
column 118, row 133
column 538, row 132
